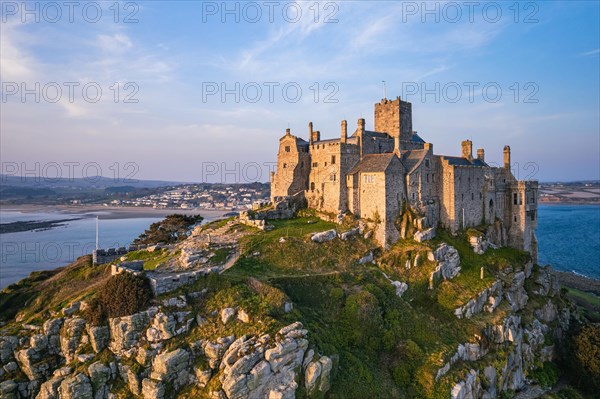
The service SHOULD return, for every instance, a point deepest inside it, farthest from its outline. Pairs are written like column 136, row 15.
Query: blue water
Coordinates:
column 569, row 238
column 27, row 251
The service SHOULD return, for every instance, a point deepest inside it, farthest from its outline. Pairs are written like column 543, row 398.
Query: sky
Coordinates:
column 202, row 91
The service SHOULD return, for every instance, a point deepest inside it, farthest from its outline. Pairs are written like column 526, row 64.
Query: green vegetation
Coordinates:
column 173, row 228
column 381, row 345
column 121, row 295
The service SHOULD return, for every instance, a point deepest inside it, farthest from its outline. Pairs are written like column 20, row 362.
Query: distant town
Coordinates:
column 570, row 192
column 199, row 196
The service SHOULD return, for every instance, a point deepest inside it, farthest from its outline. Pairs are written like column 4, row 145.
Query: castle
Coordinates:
column 377, row 175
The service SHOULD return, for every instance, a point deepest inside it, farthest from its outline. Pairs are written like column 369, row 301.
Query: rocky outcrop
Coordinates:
column 448, row 263
column 71, row 337
column 487, row 300
column 515, row 294
column 126, row 331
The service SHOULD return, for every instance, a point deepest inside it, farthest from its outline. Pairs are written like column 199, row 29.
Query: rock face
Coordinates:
column 487, row 300
column 516, row 295
column 448, row 260
column 126, row 331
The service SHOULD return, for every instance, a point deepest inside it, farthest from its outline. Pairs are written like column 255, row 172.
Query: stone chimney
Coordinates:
column 507, row 157
column 361, row 126
column 481, row 154
column 428, row 147
column 467, row 149
column 344, row 136
column 312, row 135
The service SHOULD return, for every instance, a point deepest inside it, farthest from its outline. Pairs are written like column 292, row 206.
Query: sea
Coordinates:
column 45, row 249
column 568, row 240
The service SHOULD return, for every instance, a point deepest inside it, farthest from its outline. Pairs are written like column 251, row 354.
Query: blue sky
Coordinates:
column 177, row 51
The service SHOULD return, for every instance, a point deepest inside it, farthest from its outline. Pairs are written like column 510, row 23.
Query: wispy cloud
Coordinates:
column 590, row 53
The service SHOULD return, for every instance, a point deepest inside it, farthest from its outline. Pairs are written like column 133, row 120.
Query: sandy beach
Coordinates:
column 115, row 212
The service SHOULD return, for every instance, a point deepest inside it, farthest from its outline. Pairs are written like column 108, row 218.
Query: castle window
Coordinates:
column 333, row 159
column 315, row 164
column 427, row 177
column 532, row 216
column 515, row 218
column 325, row 163
column 427, row 163
column 472, row 196
column 369, row 178
column 285, row 165
column 287, row 148
column 413, row 195
column 515, row 199
column 462, row 197
column 332, row 177
column 312, row 186
column 433, row 177
column 480, row 196
column 301, row 164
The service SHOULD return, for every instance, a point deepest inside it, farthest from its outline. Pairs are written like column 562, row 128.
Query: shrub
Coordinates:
column 547, row 375
column 95, row 314
column 121, row 295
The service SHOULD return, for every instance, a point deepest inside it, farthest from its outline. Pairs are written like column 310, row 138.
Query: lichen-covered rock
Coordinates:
column 162, row 328
column 152, row 389
column 126, row 331
column 49, row 389
column 76, row 387
column 70, row 337
column 99, row 337
column 547, row 313
column 99, row 374
column 516, row 295
column 324, row 236
column 171, row 366
column 8, row 344
column 425, row 235
column 400, row 287
column 547, row 284
column 243, row 316
column 52, row 330
column 227, row 315
column 32, row 364
column 448, row 260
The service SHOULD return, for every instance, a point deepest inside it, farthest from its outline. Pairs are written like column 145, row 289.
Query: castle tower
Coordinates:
column 344, row 135
column 394, row 117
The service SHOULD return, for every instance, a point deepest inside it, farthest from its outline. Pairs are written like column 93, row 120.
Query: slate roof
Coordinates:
column 373, row 163
column 412, row 159
column 459, row 161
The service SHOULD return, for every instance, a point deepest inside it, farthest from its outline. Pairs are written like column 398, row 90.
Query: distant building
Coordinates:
column 372, row 174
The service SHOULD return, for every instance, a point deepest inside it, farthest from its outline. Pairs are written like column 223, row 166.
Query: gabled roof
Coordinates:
column 459, row 161
column 412, row 159
column 373, row 163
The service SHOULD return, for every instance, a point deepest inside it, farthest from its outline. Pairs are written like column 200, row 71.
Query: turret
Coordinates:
column 467, row 149
column 344, row 136
column 507, row 157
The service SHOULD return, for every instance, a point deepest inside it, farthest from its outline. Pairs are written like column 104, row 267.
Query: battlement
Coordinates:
column 394, row 117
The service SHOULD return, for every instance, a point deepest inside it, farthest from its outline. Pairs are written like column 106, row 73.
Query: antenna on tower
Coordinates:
column 384, row 90
column 97, row 243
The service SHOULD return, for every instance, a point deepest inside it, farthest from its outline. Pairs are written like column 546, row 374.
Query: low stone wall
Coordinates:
column 167, row 282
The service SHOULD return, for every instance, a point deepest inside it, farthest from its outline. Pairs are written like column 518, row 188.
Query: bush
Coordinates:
column 95, row 314
column 585, row 345
column 122, row 295
column 547, row 375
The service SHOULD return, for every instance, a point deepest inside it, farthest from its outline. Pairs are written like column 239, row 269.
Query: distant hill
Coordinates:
column 92, row 182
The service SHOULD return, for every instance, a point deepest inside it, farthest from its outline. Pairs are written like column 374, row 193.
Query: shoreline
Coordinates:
column 115, row 212
column 577, row 281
